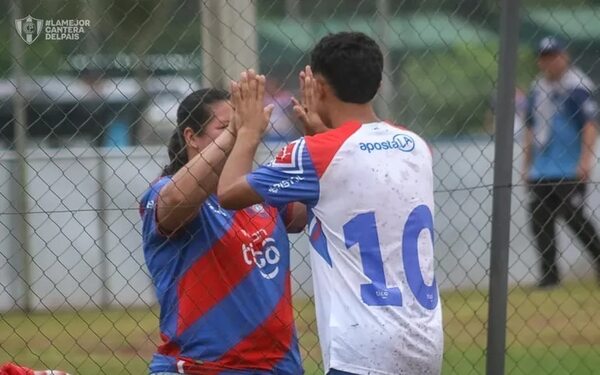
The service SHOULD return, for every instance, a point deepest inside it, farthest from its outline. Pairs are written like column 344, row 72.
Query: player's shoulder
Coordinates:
column 158, row 183
column 537, row 81
column 331, row 141
column 148, row 200
column 290, row 156
column 333, row 137
column 321, row 148
column 313, row 149
column 575, row 79
column 402, row 129
column 394, row 136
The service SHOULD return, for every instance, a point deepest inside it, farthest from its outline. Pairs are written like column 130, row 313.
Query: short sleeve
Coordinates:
column 148, row 206
column 587, row 107
column 290, row 177
column 529, row 118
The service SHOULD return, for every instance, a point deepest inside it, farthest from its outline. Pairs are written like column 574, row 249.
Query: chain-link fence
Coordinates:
column 90, row 91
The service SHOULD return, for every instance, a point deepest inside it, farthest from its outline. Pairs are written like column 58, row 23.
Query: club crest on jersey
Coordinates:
column 284, row 156
column 290, row 156
column 257, row 209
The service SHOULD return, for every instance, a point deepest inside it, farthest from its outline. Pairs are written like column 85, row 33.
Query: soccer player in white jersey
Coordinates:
column 368, row 186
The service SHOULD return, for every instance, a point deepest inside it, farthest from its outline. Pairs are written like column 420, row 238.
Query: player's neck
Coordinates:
column 343, row 113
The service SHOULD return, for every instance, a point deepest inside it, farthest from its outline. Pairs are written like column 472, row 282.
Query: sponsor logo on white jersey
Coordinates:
column 402, row 142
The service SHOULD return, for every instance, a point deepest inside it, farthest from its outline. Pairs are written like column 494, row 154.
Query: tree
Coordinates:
column 448, row 92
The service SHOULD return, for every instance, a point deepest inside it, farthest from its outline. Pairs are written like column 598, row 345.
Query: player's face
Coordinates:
column 222, row 112
column 553, row 65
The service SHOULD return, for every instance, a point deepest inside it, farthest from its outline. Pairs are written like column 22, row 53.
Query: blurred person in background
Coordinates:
column 559, row 155
column 222, row 277
column 282, row 127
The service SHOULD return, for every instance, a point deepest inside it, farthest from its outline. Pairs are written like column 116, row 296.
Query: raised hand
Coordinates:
column 306, row 111
column 248, row 97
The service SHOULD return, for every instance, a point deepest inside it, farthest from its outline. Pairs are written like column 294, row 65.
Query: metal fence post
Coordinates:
column 90, row 11
column 503, row 157
column 229, row 40
column 20, row 167
column 383, row 99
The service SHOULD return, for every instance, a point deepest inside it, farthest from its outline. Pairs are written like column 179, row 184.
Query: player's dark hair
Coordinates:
column 194, row 113
column 352, row 63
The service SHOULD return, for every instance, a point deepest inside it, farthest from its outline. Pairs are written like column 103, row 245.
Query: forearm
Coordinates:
column 199, row 177
column 194, row 182
column 296, row 218
column 239, row 163
column 527, row 150
column 588, row 143
column 234, row 191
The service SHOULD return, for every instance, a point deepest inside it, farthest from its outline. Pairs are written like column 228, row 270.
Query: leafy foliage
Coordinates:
column 449, row 92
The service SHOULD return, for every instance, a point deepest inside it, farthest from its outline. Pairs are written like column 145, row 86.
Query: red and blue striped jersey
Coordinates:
column 223, row 285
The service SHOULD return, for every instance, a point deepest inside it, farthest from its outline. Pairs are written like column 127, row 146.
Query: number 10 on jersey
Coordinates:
column 362, row 231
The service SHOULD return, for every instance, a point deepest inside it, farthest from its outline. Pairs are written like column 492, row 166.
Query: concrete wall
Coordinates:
column 66, row 233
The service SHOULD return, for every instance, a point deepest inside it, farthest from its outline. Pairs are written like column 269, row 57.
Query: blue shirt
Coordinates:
column 223, row 285
column 557, row 113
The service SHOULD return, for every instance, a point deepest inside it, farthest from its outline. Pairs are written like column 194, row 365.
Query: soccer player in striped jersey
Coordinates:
column 222, row 277
column 369, row 188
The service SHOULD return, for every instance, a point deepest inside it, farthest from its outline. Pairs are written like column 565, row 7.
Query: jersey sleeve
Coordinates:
column 148, row 206
column 529, row 118
column 290, row 177
column 587, row 107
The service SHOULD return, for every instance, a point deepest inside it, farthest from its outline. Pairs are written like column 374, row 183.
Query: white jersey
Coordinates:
column 369, row 190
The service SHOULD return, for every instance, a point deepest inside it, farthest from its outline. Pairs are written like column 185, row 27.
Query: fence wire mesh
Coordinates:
column 90, row 92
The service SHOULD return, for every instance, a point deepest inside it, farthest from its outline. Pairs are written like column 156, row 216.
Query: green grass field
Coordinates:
column 555, row 332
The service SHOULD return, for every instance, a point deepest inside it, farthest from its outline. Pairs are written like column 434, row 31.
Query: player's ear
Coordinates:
column 322, row 87
column 191, row 139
